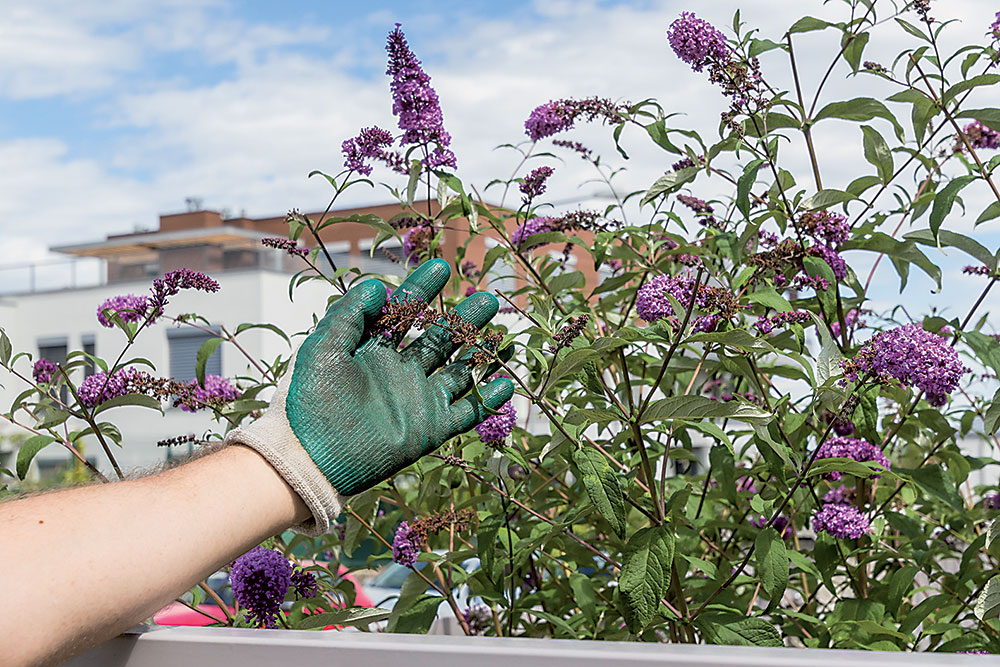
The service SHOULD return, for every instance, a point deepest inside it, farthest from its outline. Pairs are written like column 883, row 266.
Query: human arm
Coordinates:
column 82, row 565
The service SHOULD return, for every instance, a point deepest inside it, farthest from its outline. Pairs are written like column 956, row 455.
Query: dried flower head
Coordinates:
column 569, row 332
column 289, row 246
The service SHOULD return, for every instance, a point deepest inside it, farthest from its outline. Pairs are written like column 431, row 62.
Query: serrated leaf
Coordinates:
column 898, row 251
column 989, row 600
column 747, row 632
column 668, row 183
column 646, row 563
column 987, row 349
column 772, row 564
column 352, row 616
column 690, row 407
column 969, row 84
column 29, row 448
column 988, row 117
column 571, row 364
column 602, row 487
column 486, row 543
column 828, row 361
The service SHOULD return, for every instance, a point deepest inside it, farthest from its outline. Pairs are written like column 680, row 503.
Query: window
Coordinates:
column 184, row 345
column 89, row 367
column 55, row 349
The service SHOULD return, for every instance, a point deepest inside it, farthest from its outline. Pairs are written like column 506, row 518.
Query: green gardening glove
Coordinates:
column 353, row 409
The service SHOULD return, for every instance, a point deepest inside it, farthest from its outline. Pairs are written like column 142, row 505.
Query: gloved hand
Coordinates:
column 352, row 409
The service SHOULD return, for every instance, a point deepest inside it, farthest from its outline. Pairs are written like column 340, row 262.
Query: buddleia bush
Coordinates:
column 725, row 441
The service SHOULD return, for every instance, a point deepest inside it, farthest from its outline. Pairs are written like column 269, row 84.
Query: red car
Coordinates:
column 208, row 613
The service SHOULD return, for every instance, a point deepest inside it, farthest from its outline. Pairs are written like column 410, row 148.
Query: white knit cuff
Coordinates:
column 271, row 436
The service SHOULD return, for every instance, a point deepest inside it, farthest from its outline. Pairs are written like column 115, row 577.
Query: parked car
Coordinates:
column 209, row 613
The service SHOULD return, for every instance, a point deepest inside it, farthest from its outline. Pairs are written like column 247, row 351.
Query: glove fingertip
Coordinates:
column 498, row 392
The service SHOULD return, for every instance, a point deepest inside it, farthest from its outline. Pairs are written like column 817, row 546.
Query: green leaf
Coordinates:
column 771, row 564
column 646, row 563
column 571, row 364
column 808, row 24
column 206, row 350
column 912, row 29
column 934, row 480
column 900, row 583
column 969, row 84
column 992, row 420
column 416, row 618
column 743, row 186
column 738, row 338
column 768, row 296
column 486, row 543
column 826, row 198
column 747, row 632
column 29, row 448
column 988, row 117
column 866, row 416
column 5, row 348
column 263, row 325
column 414, row 179
column 691, row 407
column 584, row 595
column 602, row 486
column 353, row 616
column 668, row 183
column 992, row 533
column 139, row 400
column 990, row 212
column 854, row 46
column 985, row 347
column 989, row 600
column 828, row 361
column 945, row 199
column 877, row 153
column 967, row 245
column 904, row 252
column 859, row 109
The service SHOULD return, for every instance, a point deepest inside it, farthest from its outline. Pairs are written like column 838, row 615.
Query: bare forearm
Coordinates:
column 81, row 566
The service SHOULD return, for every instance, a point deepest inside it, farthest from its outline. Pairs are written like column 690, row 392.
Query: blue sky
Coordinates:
column 113, row 113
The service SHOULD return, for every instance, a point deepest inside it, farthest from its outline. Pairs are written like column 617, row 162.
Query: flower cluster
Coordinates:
column 912, row 356
column 766, row 325
column 559, row 115
column 687, row 162
column 574, row 146
column 565, row 336
column 260, row 579
column 42, row 370
column 128, row 307
column 304, row 583
column 976, row 270
column 469, row 269
column 851, row 448
column 406, row 545
column 370, row 144
column 216, row 392
column 99, row 387
column 827, row 227
column 978, row 136
column 534, row 183
column 841, row 521
column 416, row 103
column 173, row 282
column 652, row 302
column 697, row 42
column 995, row 27
column 495, row 428
column 478, row 617
column 289, row 246
column 701, row 208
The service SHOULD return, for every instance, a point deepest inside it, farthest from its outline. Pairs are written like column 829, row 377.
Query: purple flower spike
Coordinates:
column 42, row 370
column 260, row 579
column 851, row 448
column 534, row 183
column 497, row 427
column 369, row 145
column 697, row 42
column 128, row 307
column 841, row 521
column 415, row 103
column 406, row 545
